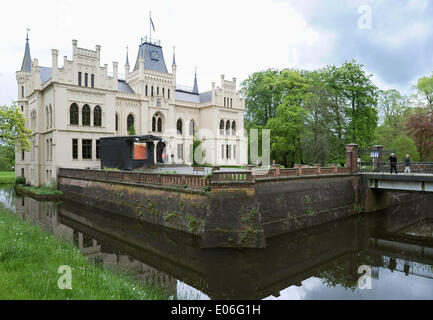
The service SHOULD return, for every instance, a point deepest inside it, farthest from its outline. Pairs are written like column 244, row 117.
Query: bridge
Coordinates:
column 377, row 173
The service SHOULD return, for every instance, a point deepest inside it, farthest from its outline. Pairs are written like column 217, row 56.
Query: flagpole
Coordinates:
column 150, row 25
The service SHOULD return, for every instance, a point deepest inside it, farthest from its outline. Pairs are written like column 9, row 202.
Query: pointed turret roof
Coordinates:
column 27, row 60
column 195, row 89
column 174, row 57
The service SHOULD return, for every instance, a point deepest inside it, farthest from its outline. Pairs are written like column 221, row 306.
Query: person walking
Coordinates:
column 407, row 164
column 393, row 162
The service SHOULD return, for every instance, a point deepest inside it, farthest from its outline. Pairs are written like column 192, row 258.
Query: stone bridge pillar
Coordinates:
column 352, row 157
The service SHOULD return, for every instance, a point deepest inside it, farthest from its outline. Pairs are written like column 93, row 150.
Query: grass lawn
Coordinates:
column 29, row 262
column 7, row 177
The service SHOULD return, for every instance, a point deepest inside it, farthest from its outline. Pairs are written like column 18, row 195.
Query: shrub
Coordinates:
column 20, row 180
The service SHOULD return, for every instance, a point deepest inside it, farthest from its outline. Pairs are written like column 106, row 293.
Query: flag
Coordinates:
column 151, row 23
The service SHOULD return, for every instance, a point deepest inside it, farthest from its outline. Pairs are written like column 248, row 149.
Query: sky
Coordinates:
column 393, row 39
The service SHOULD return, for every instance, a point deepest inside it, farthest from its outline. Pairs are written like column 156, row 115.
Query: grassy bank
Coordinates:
column 7, row 177
column 42, row 191
column 29, row 262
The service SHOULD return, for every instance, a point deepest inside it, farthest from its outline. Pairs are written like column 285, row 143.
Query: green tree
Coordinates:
column 288, row 124
column 425, row 88
column 7, row 158
column 131, row 130
column 404, row 145
column 360, row 102
column 263, row 95
column 13, row 132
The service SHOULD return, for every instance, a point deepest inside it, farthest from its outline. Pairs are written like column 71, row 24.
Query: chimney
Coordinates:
column 54, row 63
column 115, row 74
column 74, row 47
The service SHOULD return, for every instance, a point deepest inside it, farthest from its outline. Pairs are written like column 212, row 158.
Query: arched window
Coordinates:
column 151, row 91
column 153, row 124
column 224, row 101
column 22, row 91
column 97, row 116
column 168, row 93
column 73, row 112
column 86, row 115
column 145, row 89
column 130, row 122
column 50, row 111
column 234, row 128
column 163, row 92
column 157, row 91
column 47, row 115
column 227, row 127
column 222, row 127
column 191, row 127
column 179, row 126
column 159, row 125
column 117, row 123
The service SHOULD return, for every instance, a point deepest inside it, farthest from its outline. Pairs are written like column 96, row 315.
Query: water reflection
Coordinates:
column 321, row 263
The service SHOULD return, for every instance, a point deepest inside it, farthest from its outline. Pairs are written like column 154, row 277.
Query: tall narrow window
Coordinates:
column 151, row 91
column 234, row 152
column 87, row 149
column 86, row 115
column 221, row 127
column 73, row 114
column 234, row 128
column 180, row 151
column 97, row 150
column 159, row 125
column 22, row 108
column 22, row 91
column 163, row 92
column 74, row 148
column 22, row 155
column 227, row 127
column 153, row 124
column 157, row 91
column 97, row 116
column 228, row 152
column 117, row 122
column 92, row 80
column 79, row 78
column 168, row 93
column 86, row 79
column 222, row 151
column 130, row 121
column 179, row 127
column 191, row 127
column 224, row 101
column 145, row 90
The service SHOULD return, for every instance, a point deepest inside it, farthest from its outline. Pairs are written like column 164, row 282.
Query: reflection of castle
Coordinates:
column 112, row 259
column 46, row 213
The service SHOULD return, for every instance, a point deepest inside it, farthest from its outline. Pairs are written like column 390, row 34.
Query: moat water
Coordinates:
column 394, row 246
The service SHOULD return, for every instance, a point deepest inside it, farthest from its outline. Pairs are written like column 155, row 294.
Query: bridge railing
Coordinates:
column 385, row 167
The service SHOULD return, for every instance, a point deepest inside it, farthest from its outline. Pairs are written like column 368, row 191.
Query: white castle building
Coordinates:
column 70, row 108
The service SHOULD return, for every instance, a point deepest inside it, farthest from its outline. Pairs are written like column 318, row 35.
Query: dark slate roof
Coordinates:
column 27, row 60
column 46, row 74
column 186, row 96
column 153, row 57
column 122, row 86
column 206, row 96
